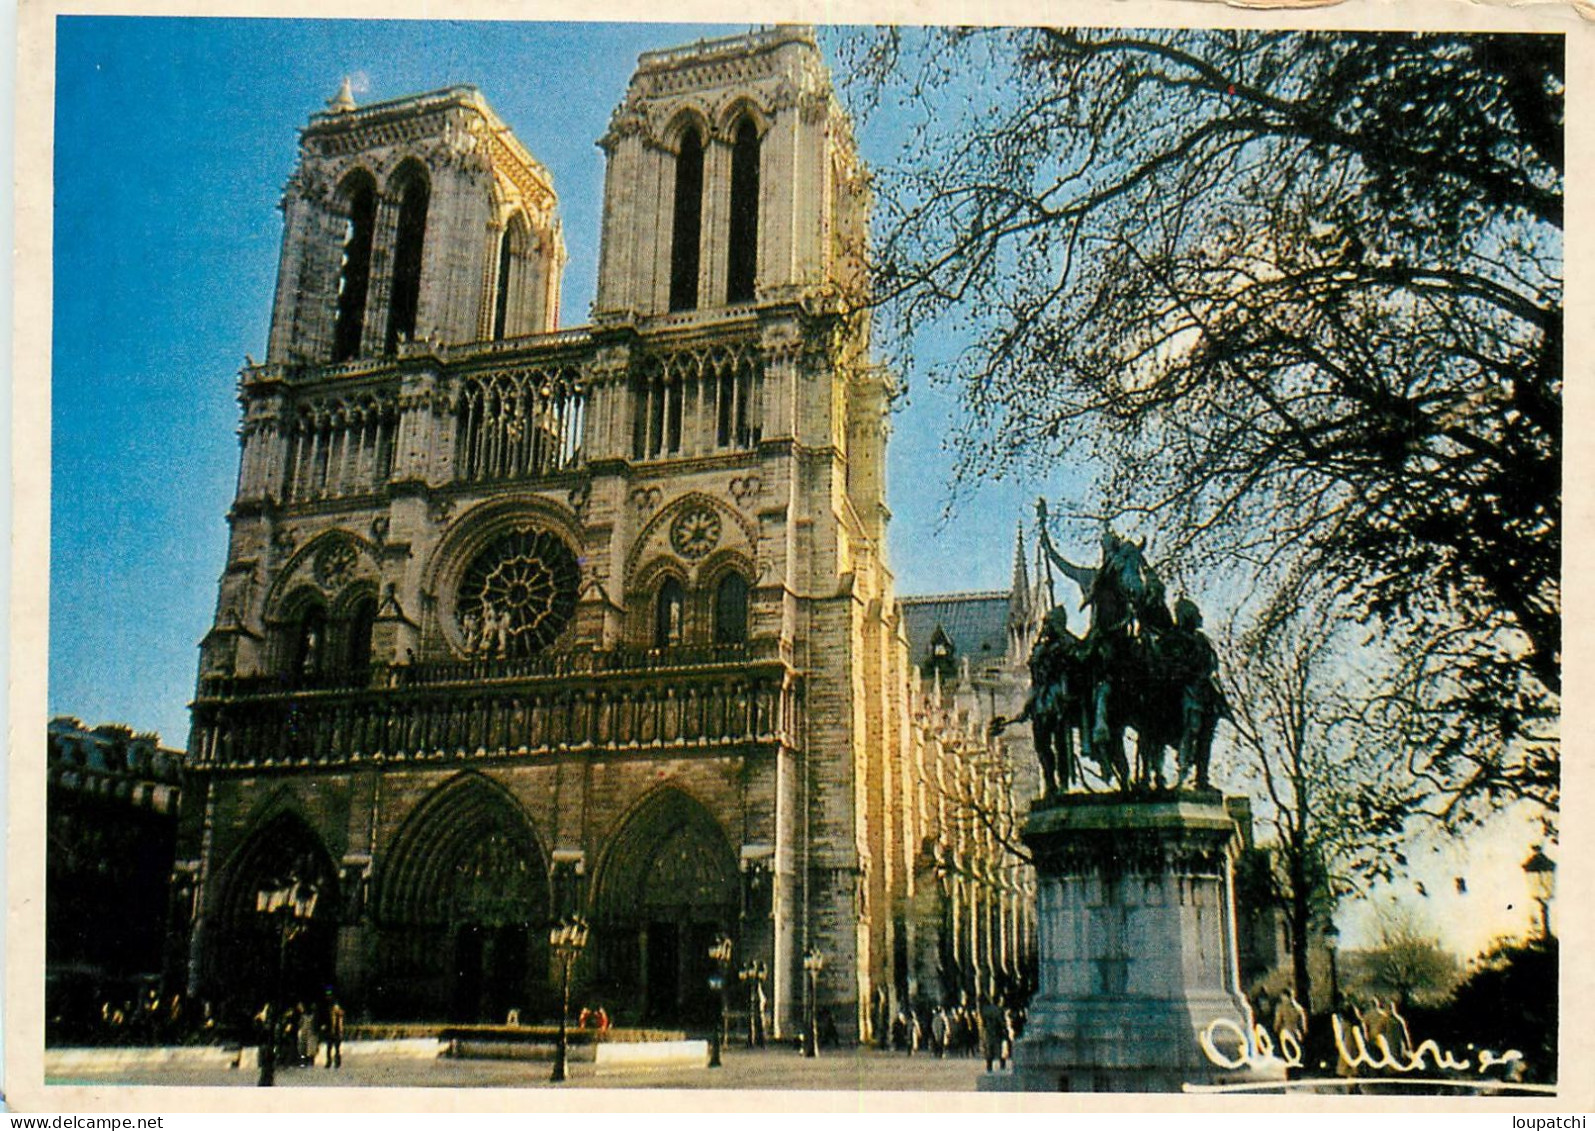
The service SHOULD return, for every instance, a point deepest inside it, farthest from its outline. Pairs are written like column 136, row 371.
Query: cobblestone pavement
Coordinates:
column 849, row 1070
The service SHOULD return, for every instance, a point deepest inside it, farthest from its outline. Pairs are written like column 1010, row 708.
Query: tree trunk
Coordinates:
column 1300, row 924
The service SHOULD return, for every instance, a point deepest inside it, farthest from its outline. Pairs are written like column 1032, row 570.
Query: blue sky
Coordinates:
column 173, row 140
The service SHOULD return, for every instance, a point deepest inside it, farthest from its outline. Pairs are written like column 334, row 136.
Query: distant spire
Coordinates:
column 1019, row 609
column 343, row 101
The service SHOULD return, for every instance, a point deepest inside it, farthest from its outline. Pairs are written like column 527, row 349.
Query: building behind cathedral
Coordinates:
column 520, row 622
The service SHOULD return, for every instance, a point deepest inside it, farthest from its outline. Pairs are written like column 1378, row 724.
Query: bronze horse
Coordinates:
column 1137, row 668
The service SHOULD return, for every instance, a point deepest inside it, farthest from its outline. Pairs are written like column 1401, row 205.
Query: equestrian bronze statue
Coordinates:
column 1137, row 667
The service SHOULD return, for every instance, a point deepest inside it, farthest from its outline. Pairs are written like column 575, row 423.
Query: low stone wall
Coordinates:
column 64, row 1061
column 654, row 1054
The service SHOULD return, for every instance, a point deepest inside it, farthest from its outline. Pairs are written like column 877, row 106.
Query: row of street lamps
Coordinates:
column 569, row 938
column 292, row 904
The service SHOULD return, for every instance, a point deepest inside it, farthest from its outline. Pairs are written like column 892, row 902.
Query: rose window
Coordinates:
column 695, row 532
column 517, row 595
column 335, row 564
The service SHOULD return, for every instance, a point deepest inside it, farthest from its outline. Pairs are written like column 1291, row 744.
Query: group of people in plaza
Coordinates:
column 986, row 1030
column 292, row 1038
column 1139, row 665
column 102, row 1016
column 1376, row 1027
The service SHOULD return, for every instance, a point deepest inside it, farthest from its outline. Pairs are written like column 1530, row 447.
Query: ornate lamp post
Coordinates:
column 720, row 955
column 752, row 976
column 1332, row 945
column 1541, row 872
column 813, row 963
column 567, row 941
column 290, row 905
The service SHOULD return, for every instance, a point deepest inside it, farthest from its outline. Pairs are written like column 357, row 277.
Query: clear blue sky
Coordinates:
column 173, row 140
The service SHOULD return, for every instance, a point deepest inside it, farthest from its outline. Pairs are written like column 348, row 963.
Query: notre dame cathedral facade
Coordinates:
column 519, row 622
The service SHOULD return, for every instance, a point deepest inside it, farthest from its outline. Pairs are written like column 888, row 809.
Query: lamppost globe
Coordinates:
column 566, row 940
column 1540, row 872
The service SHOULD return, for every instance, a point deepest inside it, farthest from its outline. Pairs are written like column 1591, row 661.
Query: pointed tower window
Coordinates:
column 406, row 297
column 744, row 243
column 357, row 653
column 731, row 610
column 511, row 296
column 688, row 222
column 359, row 199
column 502, row 306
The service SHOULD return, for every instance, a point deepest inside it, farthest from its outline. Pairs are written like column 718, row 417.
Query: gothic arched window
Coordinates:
column 408, row 243
column 731, row 610
column 744, row 242
column 501, row 308
column 357, row 642
column 688, row 222
column 516, row 280
column 359, row 198
column 670, row 614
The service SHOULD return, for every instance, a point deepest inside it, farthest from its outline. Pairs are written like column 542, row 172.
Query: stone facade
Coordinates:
column 113, row 798
column 520, row 622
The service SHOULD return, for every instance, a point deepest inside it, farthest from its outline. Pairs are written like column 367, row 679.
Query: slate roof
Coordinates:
column 976, row 623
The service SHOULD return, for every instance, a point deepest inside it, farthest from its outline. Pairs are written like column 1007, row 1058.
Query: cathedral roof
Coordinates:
column 975, row 624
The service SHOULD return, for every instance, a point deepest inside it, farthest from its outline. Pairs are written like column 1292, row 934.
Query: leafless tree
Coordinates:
column 1294, row 299
column 1335, row 799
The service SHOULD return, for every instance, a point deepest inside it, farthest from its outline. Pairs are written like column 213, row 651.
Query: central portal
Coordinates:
column 489, row 972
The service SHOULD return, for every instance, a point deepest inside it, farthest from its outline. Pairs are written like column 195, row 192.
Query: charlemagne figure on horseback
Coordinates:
column 1137, row 666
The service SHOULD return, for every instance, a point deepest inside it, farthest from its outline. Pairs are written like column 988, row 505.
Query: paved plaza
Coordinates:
column 869, row 1070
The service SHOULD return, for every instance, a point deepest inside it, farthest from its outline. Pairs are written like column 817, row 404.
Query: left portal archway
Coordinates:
column 461, row 905
column 256, row 959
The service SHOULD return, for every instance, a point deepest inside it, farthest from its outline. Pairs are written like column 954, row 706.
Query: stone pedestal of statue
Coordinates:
column 1136, row 944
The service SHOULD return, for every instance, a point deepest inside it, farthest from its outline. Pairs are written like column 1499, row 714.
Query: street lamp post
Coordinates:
column 720, row 955
column 567, row 940
column 752, row 976
column 1541, row 872
column 290, row 905
column 813, row 963
column 1332, row 945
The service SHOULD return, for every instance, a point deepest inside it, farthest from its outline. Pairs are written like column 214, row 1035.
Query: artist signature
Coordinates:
column 1351, row 1045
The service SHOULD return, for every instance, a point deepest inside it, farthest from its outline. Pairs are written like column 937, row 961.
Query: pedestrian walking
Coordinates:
column 334, row 1034
column 761, row 1008
column 940, row 1031
column 266, row 1057
column 1290, row 1019
column 991, row 1031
